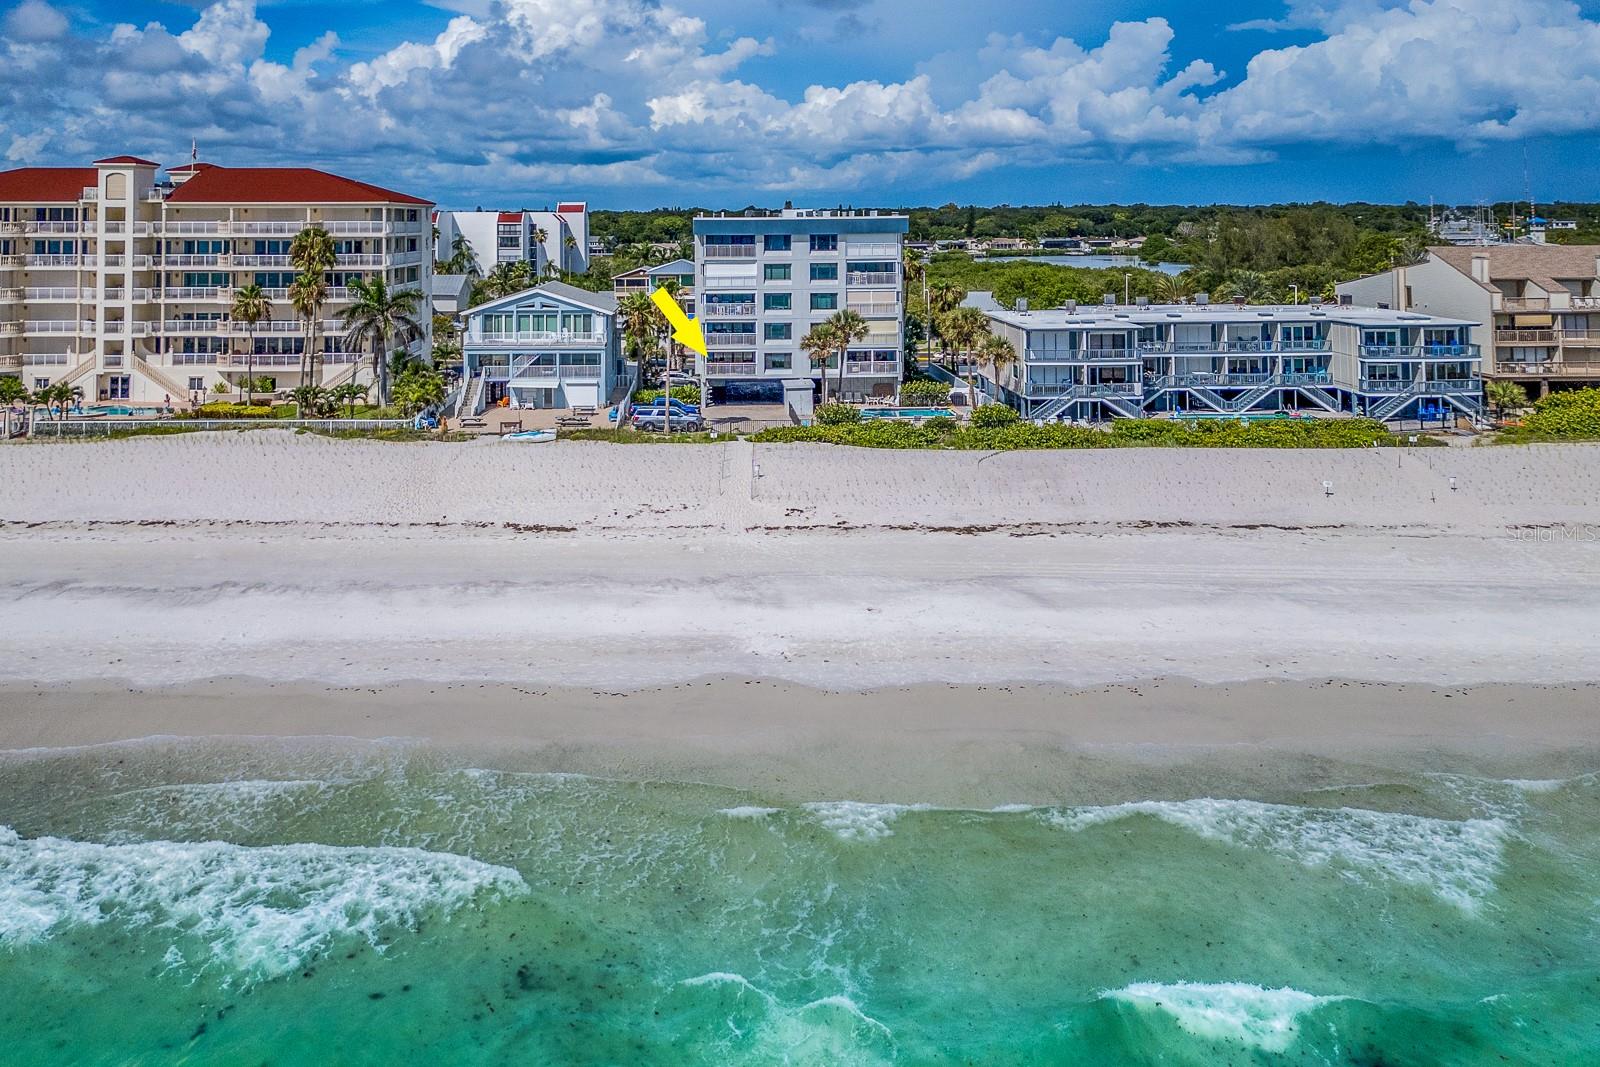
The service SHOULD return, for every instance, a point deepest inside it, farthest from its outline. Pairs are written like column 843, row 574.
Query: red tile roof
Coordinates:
column 31, row 185
column 189, row 168
column 282, row 185
column 568, row 209
column 134, row 160
column 510, row 216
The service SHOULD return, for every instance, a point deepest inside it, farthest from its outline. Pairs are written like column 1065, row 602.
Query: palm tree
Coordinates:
column 250, row 306
column 12, row 390
column 965, row 328
column 313, row 254
column 349, row 394
column 1000, row 354
column 568, row 242
column 819, row 343
column 1504, row 396
column 849, row 328
column 307, row 294
column 376, row 314
column 1174, row 288
column 943, row 298
column 642, row 327
column 1251, row 286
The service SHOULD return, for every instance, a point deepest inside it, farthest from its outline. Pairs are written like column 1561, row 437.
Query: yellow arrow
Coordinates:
column 685, row 331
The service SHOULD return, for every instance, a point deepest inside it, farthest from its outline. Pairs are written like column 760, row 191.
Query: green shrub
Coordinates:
column 1569, row 415
column 837, row 414
column 925, row 394
column 993, row 416
column 941, row 424
column 688, row 394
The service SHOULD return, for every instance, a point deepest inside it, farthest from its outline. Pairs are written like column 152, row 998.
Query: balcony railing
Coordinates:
column 196, row 294
column 186, row 260
column 730, row 340
column 1580, row 338
column 540, row 337
column 1525, row 337
column 57, row 326
column 1237, row 344
column 1525, row 303
column 746, row 310
column 877, row 250
column 722, row 367
column 1424, row 351
column 74, row 261
column 193, row 359
column 872, row 368
column 875, row 311
column 730, row 283
column 1082, row 355
column 1208, row 381
column 53, row 294
column 1439, row 385
column 261, row 261
column 1549, row 369
column 1586, row 303
column 43, row 226
column 725, row 251
column 1123, row 390
column 46, row 359
column 871, row 277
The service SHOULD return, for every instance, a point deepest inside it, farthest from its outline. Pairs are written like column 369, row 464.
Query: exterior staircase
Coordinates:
column 1054, row 409
column 471, row 397
column 1319, row 396
column 1387, row 407
column 1128, row 409
column 168, row 384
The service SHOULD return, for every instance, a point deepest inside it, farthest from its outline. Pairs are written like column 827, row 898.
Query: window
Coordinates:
column 197, row 385
column 777, row 301
column 824, row 242
column 272, row 248
column 776, row 272
column 779, row 331
column 824, row 272
column 779, row 360
column 824, row 301
column 41, row 384
column 776, row 242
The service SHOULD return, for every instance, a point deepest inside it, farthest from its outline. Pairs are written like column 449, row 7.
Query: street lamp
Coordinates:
column 1127, row 288
column 1296, row 289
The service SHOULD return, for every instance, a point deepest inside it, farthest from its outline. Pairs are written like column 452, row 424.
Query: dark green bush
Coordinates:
column 689, row 394
column 837, row 415
column 925, row 394
column 993, row 416
column 1568, row 415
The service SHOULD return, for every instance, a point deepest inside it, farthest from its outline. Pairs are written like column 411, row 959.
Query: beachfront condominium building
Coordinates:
column 1110, row 361
column 552, row 346
column 123, row 286
column 765, row 278
column 548, row 241
column 678, row 272
column 1537, row 306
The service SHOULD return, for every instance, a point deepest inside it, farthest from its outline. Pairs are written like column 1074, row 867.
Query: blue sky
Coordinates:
column 721, row 103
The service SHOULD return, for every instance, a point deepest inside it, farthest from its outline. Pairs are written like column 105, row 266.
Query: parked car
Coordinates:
column 654, row 418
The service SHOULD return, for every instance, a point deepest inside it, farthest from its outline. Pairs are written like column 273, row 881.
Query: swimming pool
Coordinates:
column 907, row 413
column 102, row 409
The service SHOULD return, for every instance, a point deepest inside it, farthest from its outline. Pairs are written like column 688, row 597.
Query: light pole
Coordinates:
column 1296, row 289
column 1127, row 289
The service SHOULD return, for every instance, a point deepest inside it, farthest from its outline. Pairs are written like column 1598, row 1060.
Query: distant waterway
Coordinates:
column 1095, row 262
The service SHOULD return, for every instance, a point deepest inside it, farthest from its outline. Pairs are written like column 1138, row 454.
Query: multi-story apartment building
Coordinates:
column 764, row 279
column 552, row 346
column 1537, row 306
column 542, row 239
column 1109, row 361
column 122, row 285
column 648, row 279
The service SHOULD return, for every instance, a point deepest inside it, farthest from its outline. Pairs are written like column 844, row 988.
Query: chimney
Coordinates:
column 1480, row 267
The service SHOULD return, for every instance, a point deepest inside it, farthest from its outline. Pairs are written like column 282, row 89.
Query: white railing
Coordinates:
column 729, row 311
column 53, row 261
column 727, row 251
column 730, row 340
column 89, row 193
column 188, row 260
column 112, row 362
column 877, row 250
column 730, row 283
column 361, row 260
column 204, row 293
column 871, row 277
column 8, row 328
column 873, row 367
column 11, row 296
column 46, row 359
column 541, row 337
column 192, row 359
column 716, row 367
column 261, row 261
column 56, row 326
column 55, row 293
column 875, row 311
column 190, row 326
column 43, row 226
column 179, row 229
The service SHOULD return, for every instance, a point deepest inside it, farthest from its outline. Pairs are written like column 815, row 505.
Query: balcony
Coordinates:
column 873, row 250
column 729, row 311
column 193, row 359
column 195, row 295
column 889, row 310
column 873, row 277
column 180, row 229
column 1116, row 390
column 1424, row 351
column 872, row 368
column 1525, row 303
column 1586, row 303
column 361, row 260
column 13, row 296
column 539, row 337
column 1580, row 338
column 47, row 359
column 730, row 340
column 43, row 226
column 187, row 260
column 1436, row 385
column 721, row 368
column 1219, row 381
column 1525, row 337
column 1549, row 369
column 724, row 251
column 262, row 261
column 56, row 326
column 73, row 262
column 731, row 283
column 1081, row 355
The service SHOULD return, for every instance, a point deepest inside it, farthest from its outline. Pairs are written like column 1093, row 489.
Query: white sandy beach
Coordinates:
column 294, row 560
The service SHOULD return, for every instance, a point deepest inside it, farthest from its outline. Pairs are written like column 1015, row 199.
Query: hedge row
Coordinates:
column 1169, row 433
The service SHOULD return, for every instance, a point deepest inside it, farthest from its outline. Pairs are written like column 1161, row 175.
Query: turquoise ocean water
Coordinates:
column 309, row 903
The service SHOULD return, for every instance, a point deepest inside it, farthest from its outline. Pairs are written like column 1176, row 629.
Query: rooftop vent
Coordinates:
column 1239, row 301
column 1202, row 299
column 1143, row 301
column 1071, row 307
column 1022, row 304
column 1346, row 300
column 1109, row 300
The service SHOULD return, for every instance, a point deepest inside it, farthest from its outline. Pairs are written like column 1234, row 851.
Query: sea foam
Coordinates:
column 855, row 820
column 257, row 913
column 1265, row 1019
column 1456, row 861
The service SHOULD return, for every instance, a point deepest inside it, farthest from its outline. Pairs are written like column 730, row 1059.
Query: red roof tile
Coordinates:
column 510, row 216
column 31, row 185
column 132, row 160
column 189, row 168
column 568, row 209
column 282, row 185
